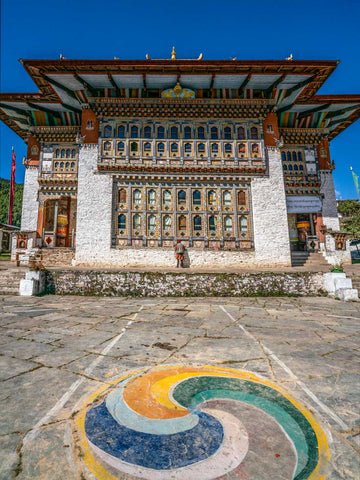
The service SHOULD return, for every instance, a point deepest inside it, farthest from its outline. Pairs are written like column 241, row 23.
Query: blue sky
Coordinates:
column 317, row 29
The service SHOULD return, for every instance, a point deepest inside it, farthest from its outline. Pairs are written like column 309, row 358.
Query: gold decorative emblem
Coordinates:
column 178, row 92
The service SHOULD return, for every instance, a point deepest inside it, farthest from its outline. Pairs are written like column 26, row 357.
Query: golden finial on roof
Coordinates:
column 173, row 54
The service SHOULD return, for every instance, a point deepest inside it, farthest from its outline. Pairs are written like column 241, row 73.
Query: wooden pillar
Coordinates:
column 67, row 239
column 41, row 219
column 319, row 226
column 55, row 221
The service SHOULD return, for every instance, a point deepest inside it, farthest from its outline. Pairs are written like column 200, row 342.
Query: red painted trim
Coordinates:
column 192, row 62
column 351, row 98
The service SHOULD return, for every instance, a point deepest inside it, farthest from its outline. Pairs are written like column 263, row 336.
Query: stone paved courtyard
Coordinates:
column 58, row 353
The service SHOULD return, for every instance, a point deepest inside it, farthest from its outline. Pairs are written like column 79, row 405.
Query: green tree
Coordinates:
column 347, row 208
column 4, row 201
column 350, row 216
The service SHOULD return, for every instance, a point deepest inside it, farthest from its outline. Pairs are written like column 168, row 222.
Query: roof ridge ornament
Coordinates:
column 173, row 54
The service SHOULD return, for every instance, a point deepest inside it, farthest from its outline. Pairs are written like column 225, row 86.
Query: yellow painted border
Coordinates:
column 161, row 389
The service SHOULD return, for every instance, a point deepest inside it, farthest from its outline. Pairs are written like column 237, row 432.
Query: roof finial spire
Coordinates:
column 173, row 54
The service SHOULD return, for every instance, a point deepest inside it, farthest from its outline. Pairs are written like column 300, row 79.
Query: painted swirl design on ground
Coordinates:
column 191, row 423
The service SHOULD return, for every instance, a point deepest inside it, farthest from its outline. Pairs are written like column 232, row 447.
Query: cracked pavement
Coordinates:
column 57, row 351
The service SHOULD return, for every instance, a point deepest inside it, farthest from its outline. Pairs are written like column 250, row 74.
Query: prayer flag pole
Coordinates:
column 12, row 187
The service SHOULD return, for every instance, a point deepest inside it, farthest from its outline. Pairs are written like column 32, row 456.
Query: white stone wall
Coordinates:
column 329, row 206
column 94, row 222
column 94, row 209
column 30, row 205
column 271, row 231
column 333, row 256
column 162, row 257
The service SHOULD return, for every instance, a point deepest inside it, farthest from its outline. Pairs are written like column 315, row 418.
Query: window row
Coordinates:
column 181, row 197
column 182, row 223
column 293, row 168
column 177, row 131
column 188, row 148
column 64, row 165
column 294, row 156
column 65, row 153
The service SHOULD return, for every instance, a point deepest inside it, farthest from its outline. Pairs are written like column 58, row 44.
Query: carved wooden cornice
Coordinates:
column 183, row 170
column 303, row 136
column 194, row 108
column 56, row 134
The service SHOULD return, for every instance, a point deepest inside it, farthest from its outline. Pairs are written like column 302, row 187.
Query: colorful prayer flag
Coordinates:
column 356, row 181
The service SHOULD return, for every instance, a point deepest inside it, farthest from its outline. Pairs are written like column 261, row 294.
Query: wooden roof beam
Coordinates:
column 70, row 107
column 61, row 87
column 299, row 85
column 112, row 81
column 243, row 85
column 19, row 111
column 85, row 84
column 306, row 113
column 22, row 120
column 43, row 109
column 283, row 109
column 269, row 91
column 341, row 112
column 342, row 120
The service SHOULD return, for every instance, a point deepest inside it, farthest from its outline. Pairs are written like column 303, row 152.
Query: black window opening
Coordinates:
column 121, row 222
column 161, row 132
column 196, row 197
column 182, row 197
column 197, row 223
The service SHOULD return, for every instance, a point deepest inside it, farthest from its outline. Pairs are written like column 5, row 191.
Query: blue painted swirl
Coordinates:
column 159, row 452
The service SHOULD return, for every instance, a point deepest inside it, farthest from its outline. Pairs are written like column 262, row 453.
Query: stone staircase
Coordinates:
column 52, row 257
column 10, row 277
column 310, row 260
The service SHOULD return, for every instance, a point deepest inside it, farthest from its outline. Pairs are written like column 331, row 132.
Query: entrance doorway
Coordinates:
column 59, row 222
column 301, row 229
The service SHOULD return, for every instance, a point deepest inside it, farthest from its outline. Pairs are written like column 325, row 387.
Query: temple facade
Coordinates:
column 232, row 157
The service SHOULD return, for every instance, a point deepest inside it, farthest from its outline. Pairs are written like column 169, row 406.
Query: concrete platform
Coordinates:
column 242, row 371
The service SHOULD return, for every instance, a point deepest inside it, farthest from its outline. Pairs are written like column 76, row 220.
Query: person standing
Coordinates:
column 179, row 254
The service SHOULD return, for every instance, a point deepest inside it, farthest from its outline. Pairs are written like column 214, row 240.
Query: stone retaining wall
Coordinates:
column 156, row 284
column 57, row 256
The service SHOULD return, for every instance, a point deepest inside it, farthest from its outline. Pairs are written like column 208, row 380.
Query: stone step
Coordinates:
column 306, row 259
column 10, row 279
column 9, row 291
column 6, row 279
